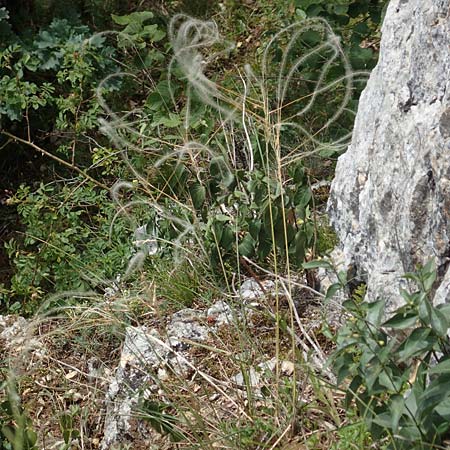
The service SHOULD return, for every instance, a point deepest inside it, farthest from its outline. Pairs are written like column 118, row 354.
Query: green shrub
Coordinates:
column 69, row 243
column 398, row 368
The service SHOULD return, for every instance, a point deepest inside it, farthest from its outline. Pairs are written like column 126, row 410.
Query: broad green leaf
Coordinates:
column 228, row 237
column 375, row 312
column 306, row 3
column 439, row 322
column 328, row 152
column 32, row 438
column 264, row 248
column 372, row 372
column 153, row 32
column 220, row 171
column 435, row 393
column 406, row 295
column 136, row 17
column 317, row 264
column 390, row 381
column 343, row 366
column 300, row 247
column 247, row 246
column 351, row 305
column 384, row 420
column 97, row 40
column 361, row 29
column 171, row 121
column 222, row 218
column 342, row 277
column 402, row 320
column 425, row 309
column 303, row 198
column 331, row 291
column 416, row 343
column 314, row 10
column 397, row 407
column 385, row 353
column 298, row 174
column 270, row 216
column 411, row 400
column 429, row 267
column 443, row 409
column 355, row 9
column 216, row 231
column 254, row 227
column 430, row 271
column 410, row 434
column 360, row 57
column 340, row 9
column 8, row 432
column 311, row 37
column 444, row 308
column 440, row 368
column 198, row 195
column 309, row 230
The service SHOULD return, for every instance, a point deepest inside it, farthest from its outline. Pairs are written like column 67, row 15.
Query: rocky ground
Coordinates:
column 89, row 379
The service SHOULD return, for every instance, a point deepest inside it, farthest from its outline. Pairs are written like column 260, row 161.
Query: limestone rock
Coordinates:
column 147, row 359
column 141, row 356
column 12, row 328
column 150, row 358
column 220, row 313
column 185, row 325
column 17, row 338
column 390, row 199
column 251, row 290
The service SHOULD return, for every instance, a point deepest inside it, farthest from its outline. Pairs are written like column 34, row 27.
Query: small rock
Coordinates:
column 162, row 374
column 221, row 313
column 253, row 377
column 12, row 327
column 185, row 326
column 287, row 368
column 251, row 290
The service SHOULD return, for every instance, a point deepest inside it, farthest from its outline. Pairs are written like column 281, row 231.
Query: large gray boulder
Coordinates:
column 390, row 199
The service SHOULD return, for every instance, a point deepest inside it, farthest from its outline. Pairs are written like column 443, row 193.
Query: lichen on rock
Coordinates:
column 390, row 199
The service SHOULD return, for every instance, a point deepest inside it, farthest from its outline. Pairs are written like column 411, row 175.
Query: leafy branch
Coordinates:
column 56, row 158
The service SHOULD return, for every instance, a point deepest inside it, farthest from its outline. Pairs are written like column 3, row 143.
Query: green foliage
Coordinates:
column 357, row 21
column 398, row 368
column 75, row 61
column 352, row 436
column 69, row 244
column 16, row 428
column 67, row 426
column 67, row 227
column 160, row 420
column 258, row 208
column 212, row 185
column 136, row 32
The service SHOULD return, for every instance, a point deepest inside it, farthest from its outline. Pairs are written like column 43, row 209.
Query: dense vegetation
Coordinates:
column 84, row 108
column 142, row 146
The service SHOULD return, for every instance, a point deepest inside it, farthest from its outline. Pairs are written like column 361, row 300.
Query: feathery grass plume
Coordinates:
column 191, row 39
column 251, row 137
